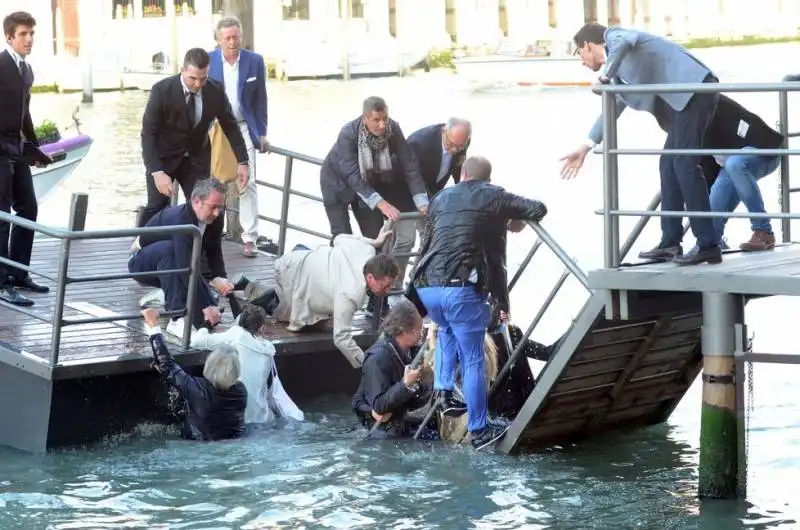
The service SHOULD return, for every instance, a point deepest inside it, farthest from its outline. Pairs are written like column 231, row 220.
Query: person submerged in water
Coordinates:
column 214, row 403
column 390, row 388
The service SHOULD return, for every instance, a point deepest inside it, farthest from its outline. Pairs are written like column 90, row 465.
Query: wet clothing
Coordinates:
column 382, row 389
column 211, row 414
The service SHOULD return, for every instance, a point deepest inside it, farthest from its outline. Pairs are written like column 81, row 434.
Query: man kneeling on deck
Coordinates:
column 330, row 282
column 215, row 403
column 389, row 387
column 174, row 251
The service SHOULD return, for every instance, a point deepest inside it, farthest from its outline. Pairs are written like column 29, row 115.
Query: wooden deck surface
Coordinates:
column 86, row 343
column 773, row 272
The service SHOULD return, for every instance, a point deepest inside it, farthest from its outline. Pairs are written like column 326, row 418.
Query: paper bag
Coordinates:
column 223, row 160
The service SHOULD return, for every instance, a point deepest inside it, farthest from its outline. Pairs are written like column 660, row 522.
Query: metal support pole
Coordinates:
column 191, row 295
column 610, row 178
column 77, row 207
column 719, row 443
column 287, row 196
column 785, row 185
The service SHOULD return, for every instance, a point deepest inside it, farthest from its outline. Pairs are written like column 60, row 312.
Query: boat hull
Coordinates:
column 46, row 179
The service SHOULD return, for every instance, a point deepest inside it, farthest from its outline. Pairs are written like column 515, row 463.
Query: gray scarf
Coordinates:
column 371, row 147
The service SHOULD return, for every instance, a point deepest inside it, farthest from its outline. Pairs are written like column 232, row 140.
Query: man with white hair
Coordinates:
column 243, row 75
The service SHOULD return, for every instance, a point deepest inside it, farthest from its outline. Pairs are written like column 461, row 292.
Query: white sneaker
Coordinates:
column 154, row 298
column 175, row 327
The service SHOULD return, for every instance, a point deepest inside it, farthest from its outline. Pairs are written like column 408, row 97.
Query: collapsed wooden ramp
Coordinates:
column 613, row 374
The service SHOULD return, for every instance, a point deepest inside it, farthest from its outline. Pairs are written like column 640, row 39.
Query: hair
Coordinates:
column 401, row 318
column 225, row 23
column 381, row 266
column 477, row 168
column 454, row 122
column 15, row 19
column 196, row 57
column 253, row 318
column 593, row 33
column 222, row 368
column 374, row 104
column 203, row 188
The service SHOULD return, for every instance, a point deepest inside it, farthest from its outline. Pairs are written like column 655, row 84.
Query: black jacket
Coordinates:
column 167, row 135
column 211, row 414
column 465, row 230
column 182, row 243
column 735, row 127
column 381, row 388
column 426, row 143
column 15, row 99
column 340, row 178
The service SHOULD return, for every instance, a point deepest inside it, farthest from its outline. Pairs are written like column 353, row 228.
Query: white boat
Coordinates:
column 45, row 179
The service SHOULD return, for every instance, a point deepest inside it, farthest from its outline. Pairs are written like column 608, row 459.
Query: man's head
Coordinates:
column 376, row 115
column 195, row 69
column 254, row 319
column 476, row 168
column 590, row 45
column 223, row 368
column 456, row 135
column 229, row 36
column 18, row 28
column 208, row 199
column 379, row 273
column 403, row 323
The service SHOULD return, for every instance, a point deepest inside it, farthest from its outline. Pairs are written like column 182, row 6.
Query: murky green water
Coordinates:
column 320, row 474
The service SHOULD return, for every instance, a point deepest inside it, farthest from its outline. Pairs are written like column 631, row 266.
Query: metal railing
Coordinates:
column 62, row 278
column 613, row 251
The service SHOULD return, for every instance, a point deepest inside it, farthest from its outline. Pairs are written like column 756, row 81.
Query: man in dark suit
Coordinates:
column 365, row 156
column 175, row 125
column 243, row 75
column 735, row 177
column 440, row 150
column 16, row 183
column 169, row 252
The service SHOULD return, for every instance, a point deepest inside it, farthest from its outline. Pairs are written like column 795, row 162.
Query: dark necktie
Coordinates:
column 23, row 68
column 191, row 109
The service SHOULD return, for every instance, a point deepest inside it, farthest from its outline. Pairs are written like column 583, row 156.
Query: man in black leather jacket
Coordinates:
column 461, row 263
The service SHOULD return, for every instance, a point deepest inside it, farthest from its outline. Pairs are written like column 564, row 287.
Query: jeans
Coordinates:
column 738, row 182
column 462, row 314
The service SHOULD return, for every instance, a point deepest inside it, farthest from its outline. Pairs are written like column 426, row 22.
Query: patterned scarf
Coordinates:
column 371, row 147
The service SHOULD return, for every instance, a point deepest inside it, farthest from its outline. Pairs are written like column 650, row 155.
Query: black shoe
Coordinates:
column 451, row 407
column 267, row 245
column 494, row 430
column 268, row 301
column 240, row 282
column 698, row 255
column 27, row 284
column 9, row 295
column 661, row 253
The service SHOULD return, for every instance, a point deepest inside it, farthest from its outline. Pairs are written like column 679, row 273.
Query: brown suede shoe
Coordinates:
column 760, row 240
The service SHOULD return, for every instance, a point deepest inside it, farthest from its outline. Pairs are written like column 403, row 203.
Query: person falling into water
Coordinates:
column 635, row 57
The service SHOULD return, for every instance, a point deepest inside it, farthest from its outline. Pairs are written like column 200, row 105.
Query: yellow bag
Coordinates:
column 223, row 160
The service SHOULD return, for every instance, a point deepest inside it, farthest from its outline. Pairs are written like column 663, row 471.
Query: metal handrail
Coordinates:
column 62, row 279
column 613, row 251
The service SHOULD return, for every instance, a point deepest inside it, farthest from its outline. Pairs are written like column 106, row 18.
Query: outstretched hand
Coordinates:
column 381, row 239
column 573, row 162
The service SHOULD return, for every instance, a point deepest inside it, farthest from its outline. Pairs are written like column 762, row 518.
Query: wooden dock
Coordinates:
column 103, row 381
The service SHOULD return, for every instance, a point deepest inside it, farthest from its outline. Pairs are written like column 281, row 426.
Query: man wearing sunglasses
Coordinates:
column 440, row 151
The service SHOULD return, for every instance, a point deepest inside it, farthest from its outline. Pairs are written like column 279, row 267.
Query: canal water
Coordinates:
column 320, row 474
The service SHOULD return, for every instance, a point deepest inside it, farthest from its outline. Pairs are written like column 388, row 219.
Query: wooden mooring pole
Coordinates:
column 721, row 454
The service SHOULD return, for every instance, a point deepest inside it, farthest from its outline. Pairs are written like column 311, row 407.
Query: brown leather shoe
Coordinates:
column 760, row 240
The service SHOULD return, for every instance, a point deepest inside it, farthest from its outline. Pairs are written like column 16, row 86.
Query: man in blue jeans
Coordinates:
column 735, row 177
column 461, row 264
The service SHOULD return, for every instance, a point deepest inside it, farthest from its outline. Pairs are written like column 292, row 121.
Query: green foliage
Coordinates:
column 440, row 59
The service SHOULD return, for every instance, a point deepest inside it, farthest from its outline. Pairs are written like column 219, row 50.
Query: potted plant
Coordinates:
column 47, row 133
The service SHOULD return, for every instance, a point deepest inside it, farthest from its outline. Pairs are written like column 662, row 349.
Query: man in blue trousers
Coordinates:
column 461, row 264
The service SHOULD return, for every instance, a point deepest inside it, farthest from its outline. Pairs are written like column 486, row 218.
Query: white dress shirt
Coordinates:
column 230, row 73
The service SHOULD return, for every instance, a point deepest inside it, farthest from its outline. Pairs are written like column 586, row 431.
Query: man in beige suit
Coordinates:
column 330, row 282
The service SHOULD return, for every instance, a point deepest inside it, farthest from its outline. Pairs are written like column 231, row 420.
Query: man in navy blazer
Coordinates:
column 243, row 75
column 634, row 57
column 152, row 253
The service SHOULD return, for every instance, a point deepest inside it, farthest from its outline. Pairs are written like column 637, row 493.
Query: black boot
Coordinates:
column 268, row 300
column 240, row 282
column 451, row 407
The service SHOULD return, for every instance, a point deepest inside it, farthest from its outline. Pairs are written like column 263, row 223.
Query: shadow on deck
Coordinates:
column 103, row 382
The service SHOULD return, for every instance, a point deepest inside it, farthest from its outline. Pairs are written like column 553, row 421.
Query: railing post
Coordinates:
column 287, row 196
column 610, row 182
column 785, row 186
column 191, row 294
column 77, row 220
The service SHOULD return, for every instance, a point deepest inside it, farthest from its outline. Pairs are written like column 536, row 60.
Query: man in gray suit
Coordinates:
column 635, row 57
